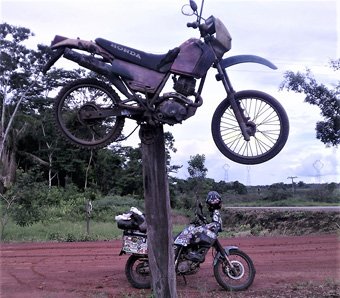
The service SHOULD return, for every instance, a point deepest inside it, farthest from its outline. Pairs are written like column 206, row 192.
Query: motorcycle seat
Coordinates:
column 161, row 63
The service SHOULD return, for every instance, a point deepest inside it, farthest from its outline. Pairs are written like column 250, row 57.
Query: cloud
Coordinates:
column 317, row 166
column 292, row 34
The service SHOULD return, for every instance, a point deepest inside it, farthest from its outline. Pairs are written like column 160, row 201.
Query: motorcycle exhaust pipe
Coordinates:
column 96, row 65
column 109, row 71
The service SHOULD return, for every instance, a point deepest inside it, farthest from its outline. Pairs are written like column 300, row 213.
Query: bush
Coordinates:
column 324, row 194
column 106, row 208
column 37, row 202
column 276, row 194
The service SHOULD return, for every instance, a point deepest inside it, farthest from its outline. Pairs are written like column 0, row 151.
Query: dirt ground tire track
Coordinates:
column 95, row 269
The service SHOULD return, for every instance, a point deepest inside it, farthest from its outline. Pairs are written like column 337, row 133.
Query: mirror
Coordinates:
column 193, row 5
column 187, row 10
column 200, row 205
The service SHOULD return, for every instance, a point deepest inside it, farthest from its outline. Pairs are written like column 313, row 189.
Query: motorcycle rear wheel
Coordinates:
column 245, row 271
column 79, row 98
column 267, row 122
column 137, row 272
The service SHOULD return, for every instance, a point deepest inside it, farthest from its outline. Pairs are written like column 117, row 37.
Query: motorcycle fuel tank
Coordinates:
column 194, row 59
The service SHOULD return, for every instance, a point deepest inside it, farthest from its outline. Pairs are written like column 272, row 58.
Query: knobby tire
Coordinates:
column 225, row 277
column 266, row 116
column 137, row 279
column 86, row 95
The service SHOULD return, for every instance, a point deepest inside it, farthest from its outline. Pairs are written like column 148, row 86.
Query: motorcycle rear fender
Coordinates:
column 233, row 60
column 84, row 45
column 60, row 43
column 227, row 251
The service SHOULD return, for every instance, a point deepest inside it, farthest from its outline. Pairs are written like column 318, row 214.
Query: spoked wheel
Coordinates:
column 75, row 104
column 266, row 122
column 137, row 272
column 241, row 277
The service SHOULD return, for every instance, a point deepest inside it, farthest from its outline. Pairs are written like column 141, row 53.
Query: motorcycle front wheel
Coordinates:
column 266, row 121
column 137, row 271
column 239, row 279
column 75, row 102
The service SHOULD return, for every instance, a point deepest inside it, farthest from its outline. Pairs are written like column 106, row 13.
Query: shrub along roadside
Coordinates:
column 59, row 214
column 237, row 223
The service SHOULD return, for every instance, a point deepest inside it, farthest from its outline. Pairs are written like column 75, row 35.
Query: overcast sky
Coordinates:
column 292, row 34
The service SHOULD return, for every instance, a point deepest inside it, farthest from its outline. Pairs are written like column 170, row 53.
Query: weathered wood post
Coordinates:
column 157, row 212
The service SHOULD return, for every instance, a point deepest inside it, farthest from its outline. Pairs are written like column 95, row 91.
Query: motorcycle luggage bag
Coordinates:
column 135, row 242
column 194, row 59
column 130, row 224
column 136, row 222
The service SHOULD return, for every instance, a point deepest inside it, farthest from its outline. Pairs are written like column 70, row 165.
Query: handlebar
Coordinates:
column 200, row 219
column 204, row 28
column 192, row 25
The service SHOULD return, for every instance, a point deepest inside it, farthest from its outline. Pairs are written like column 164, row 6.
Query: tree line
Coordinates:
column 28, row 138
column 35, row 160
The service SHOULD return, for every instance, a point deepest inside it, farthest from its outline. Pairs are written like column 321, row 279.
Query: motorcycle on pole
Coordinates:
column 233, row 268
column 248, row 127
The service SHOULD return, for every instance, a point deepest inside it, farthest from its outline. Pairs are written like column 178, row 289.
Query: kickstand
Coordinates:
column 185, row 280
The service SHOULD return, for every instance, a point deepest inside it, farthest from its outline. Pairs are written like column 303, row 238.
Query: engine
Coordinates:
column 172, row 110
column 174, row 107
column 187, row 267
column 189, row 261
column 185, row 85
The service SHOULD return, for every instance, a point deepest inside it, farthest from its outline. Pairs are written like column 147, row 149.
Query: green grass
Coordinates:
column 61, row 231
column 65, row 231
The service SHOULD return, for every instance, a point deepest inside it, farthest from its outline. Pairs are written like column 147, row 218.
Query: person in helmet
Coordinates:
column 214, row 203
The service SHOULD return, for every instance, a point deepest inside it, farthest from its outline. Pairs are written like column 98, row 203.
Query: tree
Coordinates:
column 16, row 80
column 240, row 188
column 328, row 100
column 196, row 168
column 169, row 146
column 25, row 103
column 198, row 173
column 108, row 167
column 131, row 180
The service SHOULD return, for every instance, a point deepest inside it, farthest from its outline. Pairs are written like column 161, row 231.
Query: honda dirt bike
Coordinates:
column 233, row 269
column 248, row 127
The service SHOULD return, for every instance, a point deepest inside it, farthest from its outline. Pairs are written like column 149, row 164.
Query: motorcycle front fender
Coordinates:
column 227, row 251
column 233, row 60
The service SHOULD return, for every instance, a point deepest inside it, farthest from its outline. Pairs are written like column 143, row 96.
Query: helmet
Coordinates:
column 213, row 201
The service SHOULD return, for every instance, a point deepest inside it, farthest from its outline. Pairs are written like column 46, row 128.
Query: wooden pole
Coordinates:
column 157, row 212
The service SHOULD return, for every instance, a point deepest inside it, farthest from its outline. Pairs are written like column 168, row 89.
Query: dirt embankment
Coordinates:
column 280, row 223
column 243, row 223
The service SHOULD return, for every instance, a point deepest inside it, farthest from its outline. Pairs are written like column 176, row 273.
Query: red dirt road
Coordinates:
column 94, row 269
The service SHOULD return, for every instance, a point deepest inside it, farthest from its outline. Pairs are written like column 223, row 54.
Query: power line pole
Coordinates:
column 226, row 176
column 292, row 182
column 318, row 165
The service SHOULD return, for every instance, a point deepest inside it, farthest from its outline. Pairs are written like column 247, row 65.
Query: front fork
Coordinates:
column 238, row 111
column 223, row 253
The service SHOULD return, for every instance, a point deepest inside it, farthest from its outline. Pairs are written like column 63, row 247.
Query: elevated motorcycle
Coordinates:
column 233, row 269
column 248, row 127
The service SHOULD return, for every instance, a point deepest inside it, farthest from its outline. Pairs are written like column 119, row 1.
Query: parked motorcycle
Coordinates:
column 233, row 269
column 248, row 127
